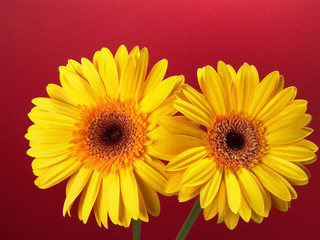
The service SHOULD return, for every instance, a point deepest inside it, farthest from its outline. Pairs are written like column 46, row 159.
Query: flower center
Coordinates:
column 111, row 135
column 236, row 141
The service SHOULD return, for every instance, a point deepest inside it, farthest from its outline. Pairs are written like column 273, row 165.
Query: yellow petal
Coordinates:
column 109, row 73
column 49, row 150
column 295, row 108
column 271, row 181
column 231, row 71
column 277, row 103
column 76, row 188
column 187, row 193
column 287, row 136
column 307, row 144
column 186, row 158
column 135, row 53
column 233, row 101
column 139, row 75
column 51, row 120
column 245, row 209
column 266, row 89
column 180, row 125
column 304, row 169
column 96, row 211
column 95, row 61
column 39, row 171
column 101, row 208
column 145, row 52
column 77, row 88
column 279, row 204
column 176, row 92
column 199, row 172
column 216, row 93
column 56, row 106
column 129, row 192
column 111, row 186
column 192, row 112
column 150, row 175
column 124, row 214
column 201, row 73
column 292, row 153
column 44, row 162
column 155, row 76
column 293, row 192
column 159, row 153
column 165, row 109
column 226, row 77
column 176, row 143
column 245, row 88
column 173, row 186
column 197, row 99
column 310, row 161
column 265, row 195
column 289, row 123
column 34, row 127
column 90, row 194
column 143, row 213
column 68, row 187
column 50, row 136
column 157, row 133
column 93, row 77
column 285, row 168
column 210, row 189
column 231, row 220
column 280, row 85
column 57, row 173
column 75, row 67
column 150, row 198
column 251, row 190
column 233, row 190
column 157, row 165
column 212, row 210
column 222, row 202
column 255, row 76
column 297, row 182
column 121, row 58
column 255, row 217
column 58, row 93
column 126, row 79
column 154, row 98
column 81, row 204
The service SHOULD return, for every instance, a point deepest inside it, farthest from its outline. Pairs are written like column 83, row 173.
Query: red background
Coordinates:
column 40, row 35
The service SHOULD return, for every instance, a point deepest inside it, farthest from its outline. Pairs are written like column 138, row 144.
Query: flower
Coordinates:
column 96, row 128
column 240, row 145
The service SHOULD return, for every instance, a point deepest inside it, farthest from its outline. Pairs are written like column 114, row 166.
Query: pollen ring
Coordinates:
column 236, row 141
column 110, row 135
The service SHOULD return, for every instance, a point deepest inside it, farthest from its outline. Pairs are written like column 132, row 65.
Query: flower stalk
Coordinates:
column 190, row 220
column 136, row 229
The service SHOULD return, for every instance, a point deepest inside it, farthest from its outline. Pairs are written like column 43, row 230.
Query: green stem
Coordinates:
column 190, row 220
column 136, row 229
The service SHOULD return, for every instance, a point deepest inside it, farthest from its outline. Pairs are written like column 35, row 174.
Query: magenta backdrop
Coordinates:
column 38, row 36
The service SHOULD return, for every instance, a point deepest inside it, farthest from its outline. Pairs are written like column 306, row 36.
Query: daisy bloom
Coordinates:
column 240, row 145
column 95, row 130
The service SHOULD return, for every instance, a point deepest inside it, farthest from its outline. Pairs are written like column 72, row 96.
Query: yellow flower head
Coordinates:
column 95, row 130
column 240, row 145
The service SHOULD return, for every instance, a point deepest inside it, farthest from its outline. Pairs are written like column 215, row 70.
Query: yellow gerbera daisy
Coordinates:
column 240, row 145
column 96, row 128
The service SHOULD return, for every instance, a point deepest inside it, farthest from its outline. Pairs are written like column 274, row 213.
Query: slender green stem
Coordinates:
column 136, row 229
column 190, row 220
